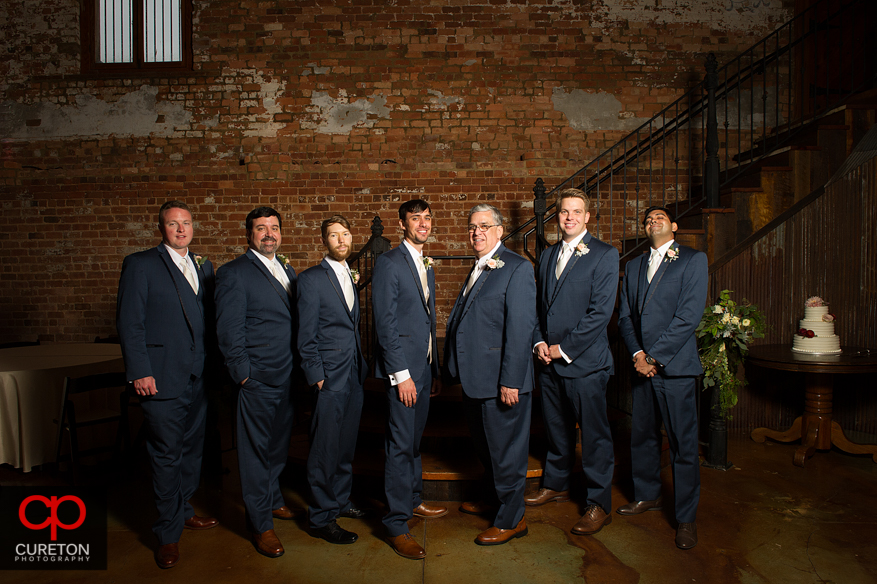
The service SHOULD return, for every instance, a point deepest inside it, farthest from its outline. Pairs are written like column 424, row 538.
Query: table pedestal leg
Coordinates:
column 793, row 433
column 816, row 421
column 839, row 439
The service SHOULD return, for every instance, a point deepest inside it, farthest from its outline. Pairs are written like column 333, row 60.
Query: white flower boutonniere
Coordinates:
column 672, row 255
column 199, row 261
column 427, row 262
column 355, row 275
column 495, row 263
column 283, row 259
column 582, row 249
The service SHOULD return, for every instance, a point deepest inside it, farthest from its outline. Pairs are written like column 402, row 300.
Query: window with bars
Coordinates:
column 136, row 36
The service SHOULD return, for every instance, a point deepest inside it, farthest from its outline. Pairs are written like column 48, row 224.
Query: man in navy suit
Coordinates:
column 164, row 320
column 488, row 350
column 577, row 285
column 255, row 322
column 331, row 353
column 403, row 303
column 662, row 300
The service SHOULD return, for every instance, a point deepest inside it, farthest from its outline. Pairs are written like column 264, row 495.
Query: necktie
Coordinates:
column 472, row 279
column 347, row 288
column 562, row 259
column 654, row 262
column 276, row 271
column 189, row 276
column 424, row 283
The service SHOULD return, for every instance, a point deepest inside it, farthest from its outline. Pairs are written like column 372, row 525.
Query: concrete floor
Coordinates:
column 763, row 521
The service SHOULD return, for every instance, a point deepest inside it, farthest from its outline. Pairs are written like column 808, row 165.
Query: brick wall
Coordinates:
column 319, row 107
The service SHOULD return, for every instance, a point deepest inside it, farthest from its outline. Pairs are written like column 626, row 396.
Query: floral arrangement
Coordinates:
column 814, row 302
column 495, row 263
column 427, row 262
column 672, row 254
column 723, row 336
column 283, row 259
column 199, row 261
column 355, row 275
column 582, row 249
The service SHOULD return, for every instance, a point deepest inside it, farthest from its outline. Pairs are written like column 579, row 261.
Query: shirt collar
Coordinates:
column 577, row 240
column 661, row 251
column 412, row 250
column 480, row 263
column 265, row 260
column 339, row 267
column 176, row 256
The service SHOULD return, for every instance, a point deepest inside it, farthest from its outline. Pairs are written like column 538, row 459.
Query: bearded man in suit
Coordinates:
column 165, row 324
column 488, row 350
column 577, row 285
column 331, row 352
column 662, row 300
column 255, row 322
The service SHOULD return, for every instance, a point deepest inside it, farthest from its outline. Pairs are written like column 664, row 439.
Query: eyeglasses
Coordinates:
column 481, row 228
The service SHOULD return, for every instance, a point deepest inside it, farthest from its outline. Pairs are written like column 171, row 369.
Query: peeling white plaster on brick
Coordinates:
column 440, row 102
column 728, row 15
column 134, row 114
column 591, row 112
column 255, row 124
column 341, row 116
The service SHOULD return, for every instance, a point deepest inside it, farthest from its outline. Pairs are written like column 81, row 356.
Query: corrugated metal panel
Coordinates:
column 828, row 249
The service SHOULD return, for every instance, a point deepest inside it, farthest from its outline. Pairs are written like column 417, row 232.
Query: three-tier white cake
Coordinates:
column 815, row 334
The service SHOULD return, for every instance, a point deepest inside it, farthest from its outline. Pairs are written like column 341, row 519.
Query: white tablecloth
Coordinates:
column 31, row 387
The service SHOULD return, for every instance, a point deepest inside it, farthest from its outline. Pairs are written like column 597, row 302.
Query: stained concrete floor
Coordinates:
column 763, row 521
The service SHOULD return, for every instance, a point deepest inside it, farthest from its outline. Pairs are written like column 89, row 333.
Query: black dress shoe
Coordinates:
column 686, row 536
column 334, row 533
column 354, row 513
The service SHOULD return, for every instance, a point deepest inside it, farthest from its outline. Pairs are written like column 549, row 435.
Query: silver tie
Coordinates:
column 347, row 288
column 654, row 262
column 562, row 259
column 189, row 276
column 472, row 279
column 424, row 283
column 276, row 270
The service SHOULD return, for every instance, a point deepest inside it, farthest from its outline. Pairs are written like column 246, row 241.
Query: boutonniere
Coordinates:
column 427, row 262
column 582, row 249
column 495, row 263
column 283, row 260
column 672, row 255
column 355, row 275
column 199, row 261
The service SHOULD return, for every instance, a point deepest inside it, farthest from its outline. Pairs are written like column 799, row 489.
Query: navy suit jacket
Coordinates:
column 574, row 310
column 163, row 325
column 660, row 318
column 255, row 321
column 489, row 331
column 328, row 333
column 404, row 320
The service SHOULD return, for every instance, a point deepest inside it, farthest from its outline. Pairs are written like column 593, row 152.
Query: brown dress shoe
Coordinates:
column 477, row 508
column 407, row 547
column 637, row 507
column 686, row 536
column 167, row 555
column 592, row 521
column 195, row 522
column 268, row 544
column 497, row 536
column 544, row 495
column 430, row 511
column 284, row 513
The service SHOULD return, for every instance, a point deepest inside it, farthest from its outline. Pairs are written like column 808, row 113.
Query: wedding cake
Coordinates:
column 815, row 334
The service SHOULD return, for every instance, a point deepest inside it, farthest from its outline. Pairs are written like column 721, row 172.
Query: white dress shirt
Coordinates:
column 184, row 260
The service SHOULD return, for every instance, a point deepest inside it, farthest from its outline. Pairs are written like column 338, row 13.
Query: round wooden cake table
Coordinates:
column 815, row 428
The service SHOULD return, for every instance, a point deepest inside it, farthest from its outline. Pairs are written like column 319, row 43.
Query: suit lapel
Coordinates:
column 179, row 283
column 336, row 285
column 199, row 273
column 662, row 269
column 570, row 265
column 278, row 287
column 410, row 261
column 642, row 282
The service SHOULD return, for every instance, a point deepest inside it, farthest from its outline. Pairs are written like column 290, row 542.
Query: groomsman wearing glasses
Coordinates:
column 403, row 302
column 488, row 350
column 577, row 284
column 333, row 364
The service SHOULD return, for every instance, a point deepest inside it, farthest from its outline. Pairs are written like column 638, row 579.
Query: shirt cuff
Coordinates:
column 399, row 377
column 564, row 355
column 539, row 343
column 637, row 353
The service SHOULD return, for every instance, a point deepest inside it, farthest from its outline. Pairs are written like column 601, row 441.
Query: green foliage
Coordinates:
column 723, row 336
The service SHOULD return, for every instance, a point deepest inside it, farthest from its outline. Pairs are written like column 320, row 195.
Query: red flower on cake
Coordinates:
column 810, row 334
